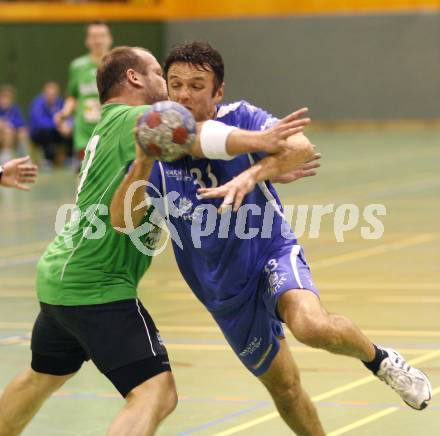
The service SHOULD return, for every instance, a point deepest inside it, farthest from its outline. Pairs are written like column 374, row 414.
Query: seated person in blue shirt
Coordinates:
column 44, row 131
column 13, row 131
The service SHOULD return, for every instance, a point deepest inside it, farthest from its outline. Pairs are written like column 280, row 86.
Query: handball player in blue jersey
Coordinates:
column 245, row 265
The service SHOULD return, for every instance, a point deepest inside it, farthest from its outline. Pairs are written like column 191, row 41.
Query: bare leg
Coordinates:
column 282, row 380
column 7, row 137
column 312, row 325
column 147, row 405
column 23, row 397
column 22, row 142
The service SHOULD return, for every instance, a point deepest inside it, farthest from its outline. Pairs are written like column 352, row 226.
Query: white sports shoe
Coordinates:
column 410, row 383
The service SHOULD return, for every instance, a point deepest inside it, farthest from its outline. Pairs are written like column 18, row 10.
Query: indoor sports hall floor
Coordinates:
column 390, row 286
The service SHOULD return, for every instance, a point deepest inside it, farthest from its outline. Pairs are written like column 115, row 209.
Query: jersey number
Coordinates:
column 90, row 153
column 197, row 173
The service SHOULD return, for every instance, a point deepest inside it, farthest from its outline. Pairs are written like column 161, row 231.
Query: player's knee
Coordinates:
column 158, row 394
column 168, row 397
column 311, row 331
column 282, row 384
column 322, row 332
column 169, row 402
column 285, row 390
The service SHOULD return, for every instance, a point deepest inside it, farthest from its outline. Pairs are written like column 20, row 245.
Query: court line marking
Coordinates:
column 226, row 347
column 375, row 190
column 48, row 207
column 354, row 255
column 330, row 261
column 24, row 340
column 370, row 418
column 381, row 286
column 373, row 251
column 215, row 329
column 12, row 250
column 363, row 421
column 223, row 419
column 5, row 325
column 367, row 332
column 19, row 260
column 175, row 346
column 404, row 333
column 409, row 299
column 323, row 396
column 17, row 294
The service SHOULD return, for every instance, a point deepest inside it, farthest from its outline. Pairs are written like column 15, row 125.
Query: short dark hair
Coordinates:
column 200, row 54
column 111, row 72
column 96, row 23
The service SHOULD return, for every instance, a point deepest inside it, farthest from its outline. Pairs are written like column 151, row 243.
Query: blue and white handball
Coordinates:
column 166, row 131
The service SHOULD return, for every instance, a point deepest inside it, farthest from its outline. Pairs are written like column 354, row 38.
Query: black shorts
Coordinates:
column 119, row 337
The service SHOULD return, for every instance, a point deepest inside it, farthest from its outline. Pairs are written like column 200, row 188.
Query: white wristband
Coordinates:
column 213, row 137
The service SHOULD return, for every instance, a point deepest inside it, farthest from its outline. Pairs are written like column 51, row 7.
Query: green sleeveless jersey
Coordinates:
column 82, row 86
column 89, row 262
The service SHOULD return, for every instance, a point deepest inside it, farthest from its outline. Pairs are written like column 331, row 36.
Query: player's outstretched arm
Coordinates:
column 128, row 210
column 298, row 152
column 214, row 140
column 209, row 139
column 276, row 141
column 306, row 170
column 17, row 173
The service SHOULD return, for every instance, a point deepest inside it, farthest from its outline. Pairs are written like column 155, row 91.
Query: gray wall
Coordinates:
column 342, row 67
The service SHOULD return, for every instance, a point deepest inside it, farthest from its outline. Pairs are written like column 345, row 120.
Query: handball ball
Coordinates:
column 166, row 131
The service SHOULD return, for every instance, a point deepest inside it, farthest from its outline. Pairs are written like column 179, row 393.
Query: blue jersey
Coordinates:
column 41, row 115
column 221, row 257
column 12, row 115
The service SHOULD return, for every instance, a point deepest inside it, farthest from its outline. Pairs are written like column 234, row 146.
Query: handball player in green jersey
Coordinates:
column 82, row 93
column 87, row 278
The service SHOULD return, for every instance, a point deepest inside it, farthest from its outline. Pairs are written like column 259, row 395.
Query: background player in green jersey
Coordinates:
column 83, row 99
column 88, row 276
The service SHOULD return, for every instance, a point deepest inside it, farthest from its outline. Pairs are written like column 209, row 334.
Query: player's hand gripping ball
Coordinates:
column 166, row 131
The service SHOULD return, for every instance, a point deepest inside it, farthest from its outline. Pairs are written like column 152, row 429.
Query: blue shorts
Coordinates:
column 253, row 328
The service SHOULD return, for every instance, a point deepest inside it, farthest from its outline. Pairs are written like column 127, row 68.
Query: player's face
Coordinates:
column 51, row 91
column 6, row 99
column 193, row 87
column 155, row 88
column 99, row 39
